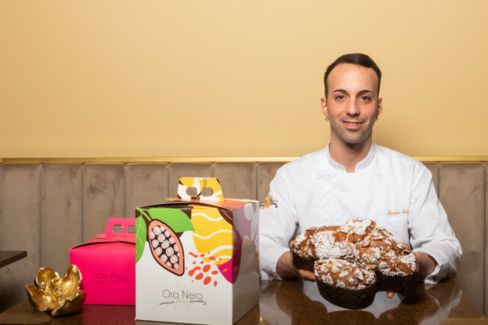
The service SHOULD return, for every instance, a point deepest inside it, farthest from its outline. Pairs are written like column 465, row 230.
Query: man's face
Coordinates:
column 352, row 104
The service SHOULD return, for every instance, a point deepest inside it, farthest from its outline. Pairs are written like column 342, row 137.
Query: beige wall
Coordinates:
column 233, row 78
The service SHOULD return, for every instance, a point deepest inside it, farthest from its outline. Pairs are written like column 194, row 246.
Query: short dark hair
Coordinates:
column 353, row 58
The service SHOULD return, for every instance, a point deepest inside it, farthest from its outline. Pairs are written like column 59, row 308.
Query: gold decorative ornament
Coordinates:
column 268, row 202
column 59, row 296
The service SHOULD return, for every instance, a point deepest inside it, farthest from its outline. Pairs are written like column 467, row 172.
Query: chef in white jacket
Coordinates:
column 352, row 177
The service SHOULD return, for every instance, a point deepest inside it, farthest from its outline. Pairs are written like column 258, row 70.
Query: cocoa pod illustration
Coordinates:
column 166, row 247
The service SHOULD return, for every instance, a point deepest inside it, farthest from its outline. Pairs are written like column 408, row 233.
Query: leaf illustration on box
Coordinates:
column 176, row 219
column 213, row 238
column 141, row 235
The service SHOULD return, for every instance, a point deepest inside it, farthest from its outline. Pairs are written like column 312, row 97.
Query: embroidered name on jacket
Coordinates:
column 397, row 213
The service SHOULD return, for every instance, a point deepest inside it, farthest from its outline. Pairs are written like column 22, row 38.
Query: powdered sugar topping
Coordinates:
column 300, row 238
column 327, row 247
column 356, row 226
column 343, row 274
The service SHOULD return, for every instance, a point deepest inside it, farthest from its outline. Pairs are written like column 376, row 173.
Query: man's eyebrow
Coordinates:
column 365, row 91
column 361, row 92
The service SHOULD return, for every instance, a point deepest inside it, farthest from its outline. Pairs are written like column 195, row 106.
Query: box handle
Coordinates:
column 202, row 189
column 120, row 228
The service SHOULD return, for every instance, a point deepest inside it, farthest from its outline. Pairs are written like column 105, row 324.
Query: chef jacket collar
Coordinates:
column 363, row 164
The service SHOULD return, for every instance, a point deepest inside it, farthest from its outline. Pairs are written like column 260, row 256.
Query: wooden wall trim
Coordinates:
column 157, row 160
column 144, row 160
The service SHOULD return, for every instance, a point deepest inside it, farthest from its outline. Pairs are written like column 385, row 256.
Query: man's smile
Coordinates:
column 352, row 125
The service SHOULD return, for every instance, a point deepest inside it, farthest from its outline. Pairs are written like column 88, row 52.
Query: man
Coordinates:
column 352, row 177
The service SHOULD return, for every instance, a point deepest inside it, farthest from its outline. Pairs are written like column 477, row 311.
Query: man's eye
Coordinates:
column 339, row 97
column 366, row 99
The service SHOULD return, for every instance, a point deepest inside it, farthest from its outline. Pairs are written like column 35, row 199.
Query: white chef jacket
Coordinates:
column 393, row 189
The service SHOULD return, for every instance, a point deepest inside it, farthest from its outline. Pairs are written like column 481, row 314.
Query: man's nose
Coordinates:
column 352, row 108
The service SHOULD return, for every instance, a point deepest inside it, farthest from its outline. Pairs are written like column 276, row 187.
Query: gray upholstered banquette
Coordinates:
column 46, row 208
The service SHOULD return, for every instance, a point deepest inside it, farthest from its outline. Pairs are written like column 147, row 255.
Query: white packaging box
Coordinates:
column 197, row 259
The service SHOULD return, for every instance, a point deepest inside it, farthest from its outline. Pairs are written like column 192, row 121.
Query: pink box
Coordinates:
column 107, row 264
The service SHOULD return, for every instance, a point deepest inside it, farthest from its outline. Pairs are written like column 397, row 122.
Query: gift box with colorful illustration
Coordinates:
column 107, row 265
column 197, row 259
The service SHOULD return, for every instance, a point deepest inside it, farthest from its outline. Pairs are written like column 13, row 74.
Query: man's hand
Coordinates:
column 286, row 270
column 425, row 263
column 306, row 275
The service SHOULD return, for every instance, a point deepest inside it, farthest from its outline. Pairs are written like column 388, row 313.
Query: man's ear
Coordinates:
column 380, row 106
column 323, row 104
